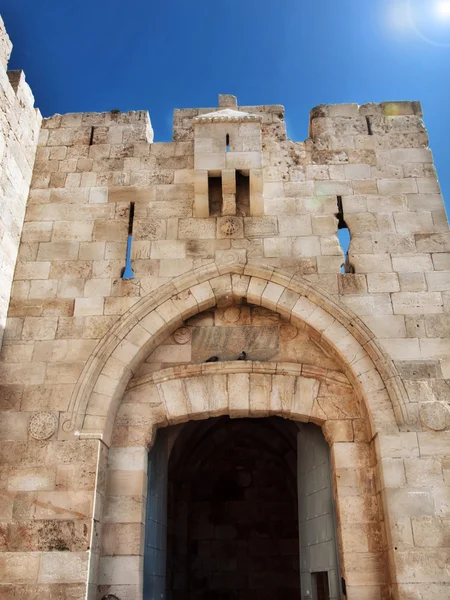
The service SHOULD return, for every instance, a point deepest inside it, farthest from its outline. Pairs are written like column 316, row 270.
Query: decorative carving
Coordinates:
column 42, row 425
column 232, row 314
column 182, row 335
column 288, row 332
column 227, row 115
column 435, row 415
column 230, row 226
column 228, row 257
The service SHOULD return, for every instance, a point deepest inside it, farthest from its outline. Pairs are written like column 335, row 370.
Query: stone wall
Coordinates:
column 78, row 334
column 19, row 129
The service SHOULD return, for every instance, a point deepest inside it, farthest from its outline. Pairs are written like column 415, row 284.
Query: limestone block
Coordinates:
column 58, row 251
column 168, row 249
column 412, row 263
column 430, row 532
column 369, row 305
column 277, row 247
column 320, row 172
column 390, row 326
column 412, row 282
column 281, row 394
column 239, row 392
column 411, row 155
column 171, row 354
column 425, row 202
column 110, row 231
column 351, row 283
column 196, row 229
column 43, row 288
column 306, row 246
column 39, row 328
column 433, row 242
column 428, row 185
column 434, row 443
column 324, row 225
column 435, row 348
column 401, row 349
column 383, row 282
column 117, row 569
column 14, row 425
column 438, row 281
column 357, row 171
column 371, row 263
column 260, row 226
column 389, row 187
column 229, row 204
column 37, row 232
column 327, row 188
column 32, row 270
column 329, row 264
column 296, row 225
column 19, row 567
column 410, row 303
column 392, row 473
column 242, row 160
column 88, row 306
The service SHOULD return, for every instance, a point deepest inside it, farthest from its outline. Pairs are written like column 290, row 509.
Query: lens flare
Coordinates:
column 431, row 22
column 443, row 9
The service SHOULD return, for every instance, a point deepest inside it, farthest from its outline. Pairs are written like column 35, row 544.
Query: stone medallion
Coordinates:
column 288, row 332
column 232, row 314
column 229, row 226
column 435, row 415
column 42, row 425
column 182, row 335
column 228, row 257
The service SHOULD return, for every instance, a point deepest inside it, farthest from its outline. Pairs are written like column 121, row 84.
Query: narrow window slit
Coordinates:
column 128, row 272
column 91, row 138
column 344, row 237
column 369, row 126
column 227, row 142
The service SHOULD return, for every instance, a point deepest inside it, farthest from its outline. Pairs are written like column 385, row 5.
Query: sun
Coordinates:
column 443, row 9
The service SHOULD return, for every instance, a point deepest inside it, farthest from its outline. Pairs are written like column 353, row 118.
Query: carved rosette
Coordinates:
column 288, row 332
column 232, row 314
column 229, row 226
column 182, row 335
column 42, row 425
column 435, row 415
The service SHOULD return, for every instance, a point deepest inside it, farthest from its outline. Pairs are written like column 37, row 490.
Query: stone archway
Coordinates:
column 107, row 372
column 195, row 392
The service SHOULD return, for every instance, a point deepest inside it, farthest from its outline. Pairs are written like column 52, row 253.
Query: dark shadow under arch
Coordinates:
column 232, row 511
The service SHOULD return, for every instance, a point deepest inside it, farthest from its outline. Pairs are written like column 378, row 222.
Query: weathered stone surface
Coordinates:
column 246, row 263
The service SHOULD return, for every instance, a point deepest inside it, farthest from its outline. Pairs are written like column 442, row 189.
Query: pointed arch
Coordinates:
column 141, row 329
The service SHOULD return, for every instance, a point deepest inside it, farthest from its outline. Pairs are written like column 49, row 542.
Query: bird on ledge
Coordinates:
column 212, row 359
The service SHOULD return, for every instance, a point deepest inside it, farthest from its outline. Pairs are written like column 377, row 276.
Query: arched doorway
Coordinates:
column 228, row 502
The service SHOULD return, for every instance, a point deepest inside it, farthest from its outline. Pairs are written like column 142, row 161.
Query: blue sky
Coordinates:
column 160, row 55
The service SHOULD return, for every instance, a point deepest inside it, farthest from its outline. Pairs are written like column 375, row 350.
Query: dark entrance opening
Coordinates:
column 242, row 194
column 215, row 196
column 232, row 511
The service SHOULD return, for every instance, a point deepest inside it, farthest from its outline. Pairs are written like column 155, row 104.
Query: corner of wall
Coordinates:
column 18, row 143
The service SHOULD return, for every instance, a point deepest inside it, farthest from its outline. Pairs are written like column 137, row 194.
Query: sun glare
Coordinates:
column 443, row 8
